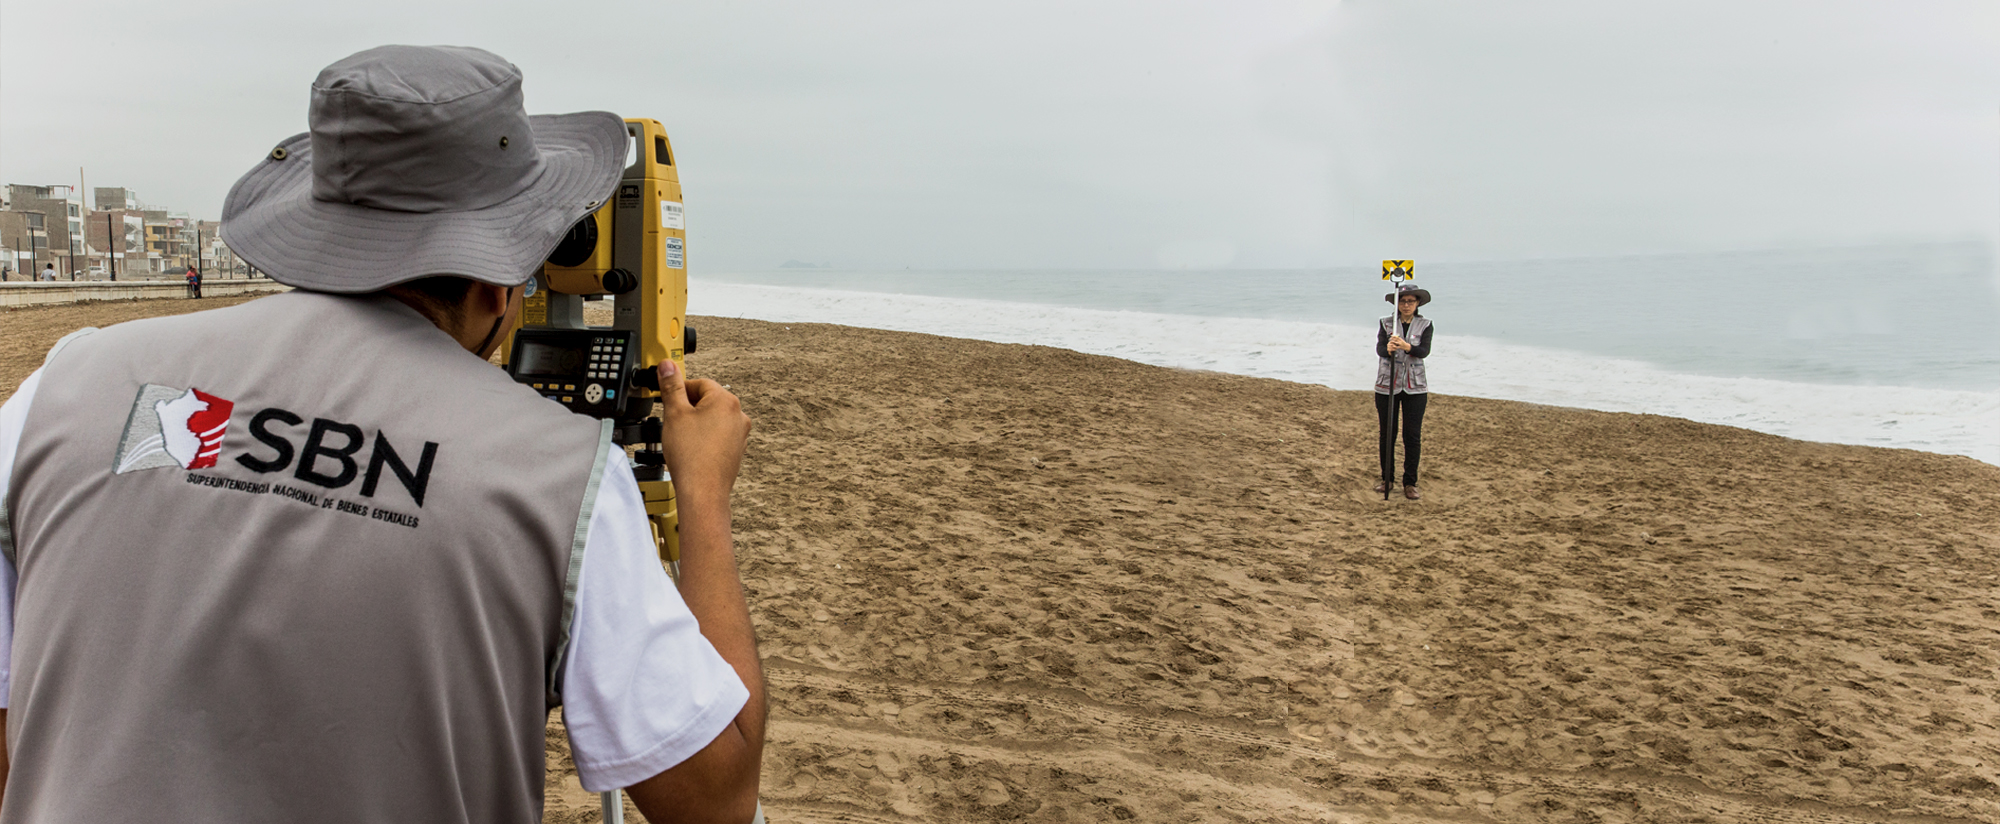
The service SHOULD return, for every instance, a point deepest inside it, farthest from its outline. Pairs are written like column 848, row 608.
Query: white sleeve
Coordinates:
column 13, row 417
column 642, row 689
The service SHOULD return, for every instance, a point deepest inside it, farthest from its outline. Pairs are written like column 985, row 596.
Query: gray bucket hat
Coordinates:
column 421, row 160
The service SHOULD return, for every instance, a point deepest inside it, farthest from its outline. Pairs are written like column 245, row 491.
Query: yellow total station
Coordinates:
column 633, row 250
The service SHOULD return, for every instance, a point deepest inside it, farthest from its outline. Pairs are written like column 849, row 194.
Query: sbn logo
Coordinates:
column 169, row 426
column 329, row 457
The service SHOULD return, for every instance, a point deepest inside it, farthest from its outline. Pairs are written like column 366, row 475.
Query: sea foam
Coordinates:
column 1342, row 357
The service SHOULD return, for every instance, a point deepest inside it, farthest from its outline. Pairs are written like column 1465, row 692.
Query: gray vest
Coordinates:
column 1409, row 370
column 303, row 559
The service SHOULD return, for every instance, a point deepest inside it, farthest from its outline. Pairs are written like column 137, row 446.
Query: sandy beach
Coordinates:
column 1015, row 583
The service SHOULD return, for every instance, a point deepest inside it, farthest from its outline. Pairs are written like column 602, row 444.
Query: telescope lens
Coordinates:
column 576, row 246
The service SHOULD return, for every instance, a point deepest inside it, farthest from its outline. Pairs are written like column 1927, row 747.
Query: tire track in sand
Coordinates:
column 1054, row 748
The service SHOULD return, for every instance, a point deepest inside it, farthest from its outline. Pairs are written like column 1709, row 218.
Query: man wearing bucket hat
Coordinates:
column 312, row 558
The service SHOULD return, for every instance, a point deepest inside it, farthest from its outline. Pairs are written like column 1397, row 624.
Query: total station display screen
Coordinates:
column 538, row 358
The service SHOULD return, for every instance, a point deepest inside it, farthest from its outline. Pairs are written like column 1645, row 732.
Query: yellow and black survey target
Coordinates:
column 1399, row 269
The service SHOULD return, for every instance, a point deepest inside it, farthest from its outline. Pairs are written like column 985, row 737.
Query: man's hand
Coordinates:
column 703, row 431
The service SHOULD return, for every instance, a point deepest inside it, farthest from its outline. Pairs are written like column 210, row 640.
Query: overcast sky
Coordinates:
column 1104, row 133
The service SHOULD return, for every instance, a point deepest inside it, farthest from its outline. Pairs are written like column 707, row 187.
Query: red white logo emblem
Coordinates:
column 172, row 427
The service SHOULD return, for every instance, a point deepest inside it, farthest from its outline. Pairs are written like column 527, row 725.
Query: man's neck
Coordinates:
column 473, row 322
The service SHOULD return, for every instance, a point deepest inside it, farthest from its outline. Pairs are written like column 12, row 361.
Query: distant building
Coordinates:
column 162, row 244
column 63, row 209
column 185, row 243
column 216, row 256
column 111, row 199
column 120, row 234
column 170, row 242
column 25, row 241
column 25, row 237
column 49, row 224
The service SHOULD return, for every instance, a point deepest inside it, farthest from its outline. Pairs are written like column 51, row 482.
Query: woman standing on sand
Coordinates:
column 1402, row 342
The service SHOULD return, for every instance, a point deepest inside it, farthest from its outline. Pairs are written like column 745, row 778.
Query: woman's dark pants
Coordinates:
column 1413, row 432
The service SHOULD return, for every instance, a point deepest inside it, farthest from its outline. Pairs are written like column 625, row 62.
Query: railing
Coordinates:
column 24, row 293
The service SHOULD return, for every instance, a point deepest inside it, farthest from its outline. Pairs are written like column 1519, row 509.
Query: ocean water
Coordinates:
column 1882, row 346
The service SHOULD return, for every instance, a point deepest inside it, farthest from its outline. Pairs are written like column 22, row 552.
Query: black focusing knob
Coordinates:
column 646, row 377
column 650, row 457
column 619, row 281
column 687, row 340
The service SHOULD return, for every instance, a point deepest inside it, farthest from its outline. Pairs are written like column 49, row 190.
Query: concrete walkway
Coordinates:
column 28, row 293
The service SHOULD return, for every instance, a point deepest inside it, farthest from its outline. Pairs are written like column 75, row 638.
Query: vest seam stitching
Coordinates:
column 65, row 341
column 575, row 572
column 7, row 533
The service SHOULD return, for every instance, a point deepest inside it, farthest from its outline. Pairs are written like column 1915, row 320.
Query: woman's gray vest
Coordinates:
column 302, row 559
column 1409, row 370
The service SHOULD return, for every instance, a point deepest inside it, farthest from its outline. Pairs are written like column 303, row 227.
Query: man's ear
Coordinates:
column 488, row 299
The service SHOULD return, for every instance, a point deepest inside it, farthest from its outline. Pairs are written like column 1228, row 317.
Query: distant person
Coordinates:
column 194, row 282
column 49, row 273
column 1402, row 342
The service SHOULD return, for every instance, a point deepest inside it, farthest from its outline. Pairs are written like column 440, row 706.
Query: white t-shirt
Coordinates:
column 642, row 688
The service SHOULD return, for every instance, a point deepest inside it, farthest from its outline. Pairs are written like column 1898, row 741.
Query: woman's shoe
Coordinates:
column 1410, row 492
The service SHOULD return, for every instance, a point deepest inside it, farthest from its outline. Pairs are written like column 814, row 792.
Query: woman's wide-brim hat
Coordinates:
column 1423, row 295
column 420, row 161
